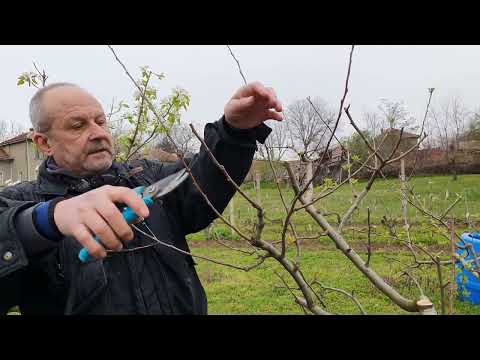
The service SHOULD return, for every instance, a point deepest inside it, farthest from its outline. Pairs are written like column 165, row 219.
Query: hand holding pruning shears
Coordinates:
column 93, row 216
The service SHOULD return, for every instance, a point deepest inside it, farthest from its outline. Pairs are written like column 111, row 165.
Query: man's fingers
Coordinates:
column 129, row 197
column 100, row 228
column 268, row 96
column 273, row 115
column 114, row 218
column 244, row 103
column 248, row 90
column 84, row 237
column 248, row 95
column 274, row 102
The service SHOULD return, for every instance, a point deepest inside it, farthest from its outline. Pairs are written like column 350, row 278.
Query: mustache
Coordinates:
column 102, row 146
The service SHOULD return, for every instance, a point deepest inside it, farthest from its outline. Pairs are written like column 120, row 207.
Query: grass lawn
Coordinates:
column 261, row 292
column 232, row 291
column 437, row 193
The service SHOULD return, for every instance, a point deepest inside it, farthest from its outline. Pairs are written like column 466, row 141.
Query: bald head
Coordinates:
column 41, row 108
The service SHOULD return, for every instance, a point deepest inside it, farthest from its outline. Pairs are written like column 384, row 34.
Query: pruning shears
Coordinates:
column 149, row 194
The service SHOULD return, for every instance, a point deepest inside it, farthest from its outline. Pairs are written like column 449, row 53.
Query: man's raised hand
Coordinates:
column 251, row 105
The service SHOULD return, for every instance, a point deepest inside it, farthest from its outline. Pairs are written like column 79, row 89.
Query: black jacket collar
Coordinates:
column 60, row 182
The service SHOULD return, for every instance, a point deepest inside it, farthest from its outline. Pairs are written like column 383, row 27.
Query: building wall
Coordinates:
column 5, row 167
column 23, row 167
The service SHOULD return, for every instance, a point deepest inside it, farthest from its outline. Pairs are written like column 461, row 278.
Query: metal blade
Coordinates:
column 166, row 185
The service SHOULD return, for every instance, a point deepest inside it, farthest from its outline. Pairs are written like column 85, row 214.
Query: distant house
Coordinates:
column 469, row 142
column 392, row 137
column 19, row 159
column 331, row 165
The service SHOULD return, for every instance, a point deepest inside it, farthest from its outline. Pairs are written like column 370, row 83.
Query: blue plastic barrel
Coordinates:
column 467, row 284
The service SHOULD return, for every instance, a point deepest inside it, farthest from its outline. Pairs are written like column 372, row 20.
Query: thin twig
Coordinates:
column 430, row 90
column 341, row 291
column 140, row 112
column 159, row 242
column 195, row 183
column 325, row 123
column 238, row 64
column 342, row 245
column 297, row 244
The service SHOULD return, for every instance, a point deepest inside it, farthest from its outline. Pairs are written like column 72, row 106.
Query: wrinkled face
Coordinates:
column 78, row 138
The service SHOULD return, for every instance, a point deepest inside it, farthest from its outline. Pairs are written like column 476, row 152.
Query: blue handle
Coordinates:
column 129, row 216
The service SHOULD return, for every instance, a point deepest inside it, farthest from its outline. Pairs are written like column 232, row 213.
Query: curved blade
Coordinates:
column 165, row 185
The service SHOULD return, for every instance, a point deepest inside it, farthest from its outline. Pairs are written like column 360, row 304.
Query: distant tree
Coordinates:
column 307, row 129
column 308, row 122
column 9, row 129
column 185, row 141
column 449, row 124
column 357, row 148
column 473, row 127
column 277, row 144
column 395, row 115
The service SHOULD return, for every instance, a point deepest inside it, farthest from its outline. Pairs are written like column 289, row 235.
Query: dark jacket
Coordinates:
column 154, row 280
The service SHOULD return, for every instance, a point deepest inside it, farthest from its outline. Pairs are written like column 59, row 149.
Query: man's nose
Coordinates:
column 98, row 132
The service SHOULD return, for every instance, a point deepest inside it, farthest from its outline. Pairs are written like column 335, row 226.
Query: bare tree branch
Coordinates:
column 341, row 291
column 238, row 64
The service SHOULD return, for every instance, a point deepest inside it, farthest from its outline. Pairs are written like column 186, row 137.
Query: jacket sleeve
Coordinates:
column 234, row 149
column 16, row 230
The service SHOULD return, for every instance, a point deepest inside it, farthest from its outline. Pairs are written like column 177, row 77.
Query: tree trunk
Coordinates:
column 454, row 168
column 308, row 176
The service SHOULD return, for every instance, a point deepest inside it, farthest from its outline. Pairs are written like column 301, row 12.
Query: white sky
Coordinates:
column 210, row 75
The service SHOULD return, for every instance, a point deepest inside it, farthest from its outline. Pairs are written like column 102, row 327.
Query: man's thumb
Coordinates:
column 245, row 102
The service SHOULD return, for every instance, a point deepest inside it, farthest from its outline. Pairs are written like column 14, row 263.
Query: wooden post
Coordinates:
column 258, row 179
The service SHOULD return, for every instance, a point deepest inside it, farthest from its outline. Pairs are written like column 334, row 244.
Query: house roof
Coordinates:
column 405, row 135
column 17, row 139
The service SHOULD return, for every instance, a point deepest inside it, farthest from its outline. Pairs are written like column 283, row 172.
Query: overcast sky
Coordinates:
column 210, row 75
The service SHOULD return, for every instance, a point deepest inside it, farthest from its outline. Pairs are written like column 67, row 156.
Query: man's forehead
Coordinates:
column 69, row 98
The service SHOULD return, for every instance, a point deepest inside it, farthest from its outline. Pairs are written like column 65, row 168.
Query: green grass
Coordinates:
column 437, row 193
column 261, row 292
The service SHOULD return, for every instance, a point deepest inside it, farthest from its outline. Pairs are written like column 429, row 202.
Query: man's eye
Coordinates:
column 77, row 125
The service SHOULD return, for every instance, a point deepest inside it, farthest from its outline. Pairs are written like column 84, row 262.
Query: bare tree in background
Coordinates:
column 375, row 123
column 9, row 129
column 449, row 124
column 308, row 123
column 185, row 141
column 277, row 144
column 473, row 127
column 395, row 115
column 306, row 126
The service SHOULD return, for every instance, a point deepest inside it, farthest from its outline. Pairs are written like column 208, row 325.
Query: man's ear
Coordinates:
column 43, row 144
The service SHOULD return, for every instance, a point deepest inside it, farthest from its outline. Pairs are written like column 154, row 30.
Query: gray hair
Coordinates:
column 38, row 115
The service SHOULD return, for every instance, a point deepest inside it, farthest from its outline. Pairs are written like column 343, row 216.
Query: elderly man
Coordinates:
column 44, row 224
